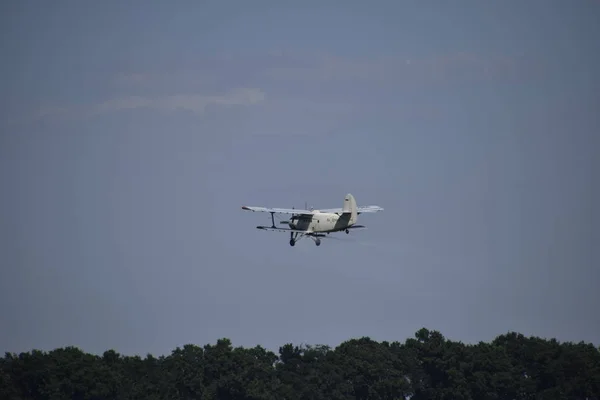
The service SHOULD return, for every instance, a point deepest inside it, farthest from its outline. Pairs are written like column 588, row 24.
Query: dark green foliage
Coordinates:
column 428, row 366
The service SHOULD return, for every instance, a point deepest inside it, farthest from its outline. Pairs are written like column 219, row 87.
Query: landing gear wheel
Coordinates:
column 318, row 242
column 347, row 231
column 292, row 242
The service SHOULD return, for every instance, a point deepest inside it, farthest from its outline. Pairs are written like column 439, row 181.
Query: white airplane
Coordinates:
column 317, row 223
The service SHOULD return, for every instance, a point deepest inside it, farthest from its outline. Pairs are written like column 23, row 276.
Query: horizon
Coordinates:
column 331, row 347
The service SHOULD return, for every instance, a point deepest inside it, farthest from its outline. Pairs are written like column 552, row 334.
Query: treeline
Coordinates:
column 428, row 366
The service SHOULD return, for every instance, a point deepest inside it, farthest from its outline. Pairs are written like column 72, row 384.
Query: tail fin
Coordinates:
column 350, row 208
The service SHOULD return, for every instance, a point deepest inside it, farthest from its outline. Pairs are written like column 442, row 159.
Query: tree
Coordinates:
column 428, row 366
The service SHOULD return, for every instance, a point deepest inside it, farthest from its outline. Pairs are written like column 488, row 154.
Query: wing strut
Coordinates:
column 272, row 220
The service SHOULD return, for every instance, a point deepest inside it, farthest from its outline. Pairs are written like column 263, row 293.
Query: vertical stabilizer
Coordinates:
column 350, row 208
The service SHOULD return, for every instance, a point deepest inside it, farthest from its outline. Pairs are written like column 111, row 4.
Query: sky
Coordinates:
column 133, row 132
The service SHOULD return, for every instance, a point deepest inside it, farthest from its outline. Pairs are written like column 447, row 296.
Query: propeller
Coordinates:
column 294, row 215
column 288, row 221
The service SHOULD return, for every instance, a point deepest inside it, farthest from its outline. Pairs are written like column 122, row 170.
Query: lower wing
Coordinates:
column 270, row 228
column 275, row 229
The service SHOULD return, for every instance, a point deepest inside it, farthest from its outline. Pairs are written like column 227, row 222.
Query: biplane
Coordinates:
column 316, row 223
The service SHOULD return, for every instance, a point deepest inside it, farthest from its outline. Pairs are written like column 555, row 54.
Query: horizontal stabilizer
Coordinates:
column 357, row 227
column 369, row 209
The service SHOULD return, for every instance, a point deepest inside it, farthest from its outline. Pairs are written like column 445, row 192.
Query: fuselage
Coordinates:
column 321, row 222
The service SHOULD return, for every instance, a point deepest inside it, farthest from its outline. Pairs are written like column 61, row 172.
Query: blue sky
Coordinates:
column 131, row 134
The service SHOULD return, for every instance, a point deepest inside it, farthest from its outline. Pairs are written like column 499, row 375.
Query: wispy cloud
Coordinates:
column 322, row 67
column 290, row 78
column 196, row 103
column 328, row 78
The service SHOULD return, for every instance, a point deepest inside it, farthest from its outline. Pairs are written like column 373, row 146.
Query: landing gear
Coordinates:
column 316, row 239
column 293, row 239
column 347, row 231
column 295, row 236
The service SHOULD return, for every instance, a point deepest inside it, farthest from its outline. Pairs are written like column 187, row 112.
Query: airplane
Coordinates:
column 317, row 223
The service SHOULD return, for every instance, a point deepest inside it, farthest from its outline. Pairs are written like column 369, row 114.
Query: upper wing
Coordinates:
column 359, row 210
column 278, row 210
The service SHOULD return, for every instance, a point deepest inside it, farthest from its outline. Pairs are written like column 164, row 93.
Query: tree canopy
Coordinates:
column 428, row 366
